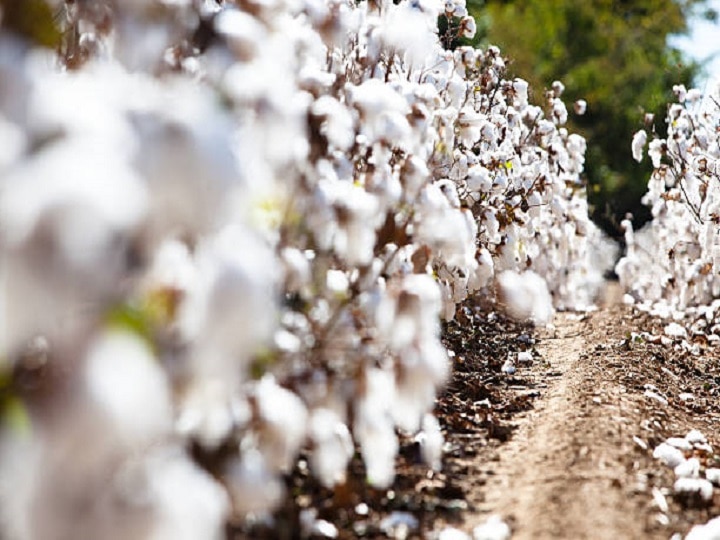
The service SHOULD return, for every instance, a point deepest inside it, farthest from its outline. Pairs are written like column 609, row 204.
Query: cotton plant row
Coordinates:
column 672, row 267
column 228, row 232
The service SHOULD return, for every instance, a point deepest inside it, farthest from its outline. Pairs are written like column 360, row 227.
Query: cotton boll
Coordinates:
column 508, row 367
column 333, row 447
column 209, row 410
column 373, row 98
column 297, row 268
column 187, row 503
column 559, row 112
column 409, row 312
column 694, row 488
column 337, row 283
column 694, row 95
column 81, row 489
column 526, row 296
column 243, row 32
column 254, row 489
column 431, row 442
column 680, row 91
column 126, row 382
column 468, row 28
column 87, row 209
column 353, row 234
column 20, row 459
column 695, row 437
column 469, row 124
column 494, row 528
column 690, row 468
column 450, row 533
column 484, row 272
column 373, row 428
column 409, row 31
column 520, row 88
column 12, row 143
column 708, row 531
column 638, row 143
column 492, row 227
column 338, row 124
column 229, row 312
column 188, row 160
column 479, row 179
column 398, row 524
column 449, row 231
column 713, row 475
column 656, row 150
column 671, row 456
column 87, row 105
column 283, row 419
column 417, row 379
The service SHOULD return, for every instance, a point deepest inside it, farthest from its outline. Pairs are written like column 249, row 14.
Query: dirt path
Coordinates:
column 571, row 468
column 561, row 474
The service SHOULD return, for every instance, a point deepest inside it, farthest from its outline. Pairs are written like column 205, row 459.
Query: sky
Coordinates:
column 703, row 42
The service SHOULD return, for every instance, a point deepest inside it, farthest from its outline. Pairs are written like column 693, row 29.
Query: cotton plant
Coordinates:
column 683, row 240
column 234, row 228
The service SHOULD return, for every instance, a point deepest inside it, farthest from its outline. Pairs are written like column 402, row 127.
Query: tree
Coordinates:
column 615, row 55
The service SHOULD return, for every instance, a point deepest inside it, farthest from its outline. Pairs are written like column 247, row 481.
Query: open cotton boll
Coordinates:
column 494, row 528
column 254, row 489
column 187, row 502
column 484, row 272
column 690, row 468
column 333, row 447
column 229, row 312
column 708, row 531
column 694, row 488
column 338, row 125
column 20, row 458
column 449, row 231
column 373, row 427
column 12, row 143
column 243, row 32
column 356, row 215
column 409, row 312
column 526, row 296
column 373, row 98
column 283, row 423
column 431, row 442
column 172, row 268
column 297, row 268
column 451, row 533
column 416, row 382
column 409, row 30
column 124, row 379
column 479, row 179
column 87, row 104
column 64, row 189
column 209, row 409
column 188, row 159
column 669, row 455
column 639, row 141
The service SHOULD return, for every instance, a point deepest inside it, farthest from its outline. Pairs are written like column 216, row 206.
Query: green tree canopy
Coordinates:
column 615, row 55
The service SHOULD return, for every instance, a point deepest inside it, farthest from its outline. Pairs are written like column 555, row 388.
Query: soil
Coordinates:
column 579, row 463
column 562, row 448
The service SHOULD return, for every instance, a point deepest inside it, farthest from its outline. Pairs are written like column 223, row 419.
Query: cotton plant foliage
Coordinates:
column 235, row 227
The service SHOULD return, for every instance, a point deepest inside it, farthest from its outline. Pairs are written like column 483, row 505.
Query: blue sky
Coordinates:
column 703, row 42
